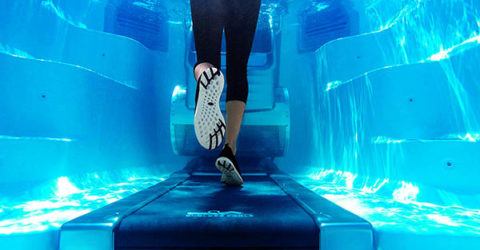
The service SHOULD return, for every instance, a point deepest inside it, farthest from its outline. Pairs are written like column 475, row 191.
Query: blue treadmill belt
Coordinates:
column 202, row 213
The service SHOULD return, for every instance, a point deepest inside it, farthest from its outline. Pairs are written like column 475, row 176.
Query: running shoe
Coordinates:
column 208, row 120
column 227, row 164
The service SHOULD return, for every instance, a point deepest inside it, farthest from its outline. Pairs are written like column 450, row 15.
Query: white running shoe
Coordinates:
column 228, row 165
column 208, row 120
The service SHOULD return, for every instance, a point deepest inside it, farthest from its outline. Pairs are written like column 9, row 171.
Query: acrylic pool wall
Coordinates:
column 396, row 116
column 400, row 101
column 384, row 121
column 81, row 121
column 403, row 37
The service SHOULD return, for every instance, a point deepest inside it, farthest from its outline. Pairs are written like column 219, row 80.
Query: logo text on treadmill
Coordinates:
column 219, row 214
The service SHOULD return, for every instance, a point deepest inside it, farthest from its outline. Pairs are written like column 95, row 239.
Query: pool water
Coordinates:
column 382, row 100
column 62, row 199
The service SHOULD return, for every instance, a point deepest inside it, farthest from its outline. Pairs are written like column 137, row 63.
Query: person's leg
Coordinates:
column 207, row 24
column 208, row 20
column 235, row 110
column 239, row 32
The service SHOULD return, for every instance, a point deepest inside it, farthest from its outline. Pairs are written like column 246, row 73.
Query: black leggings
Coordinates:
column 239, row 19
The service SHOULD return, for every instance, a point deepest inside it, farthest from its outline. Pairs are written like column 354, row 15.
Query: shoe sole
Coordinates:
column 230, row 175
column 208, row 120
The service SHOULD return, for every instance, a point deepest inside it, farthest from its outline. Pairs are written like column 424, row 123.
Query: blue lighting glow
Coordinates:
column 65, row 198
column 396, row 205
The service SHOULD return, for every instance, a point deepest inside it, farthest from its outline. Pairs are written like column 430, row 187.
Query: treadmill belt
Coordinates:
column 203, row 213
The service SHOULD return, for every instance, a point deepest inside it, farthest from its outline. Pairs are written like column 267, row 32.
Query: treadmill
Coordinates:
column 192, row 209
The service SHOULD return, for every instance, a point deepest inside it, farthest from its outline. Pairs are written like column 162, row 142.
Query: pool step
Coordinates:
column 360, row 54
column 41, row 33
column 42, row 99
column 24, row 159
column 424, row 100
column 373, row 51
column 442, row 163
column 430, row 100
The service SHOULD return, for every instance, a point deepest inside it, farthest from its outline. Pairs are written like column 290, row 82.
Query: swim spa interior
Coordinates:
column 362, row 128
